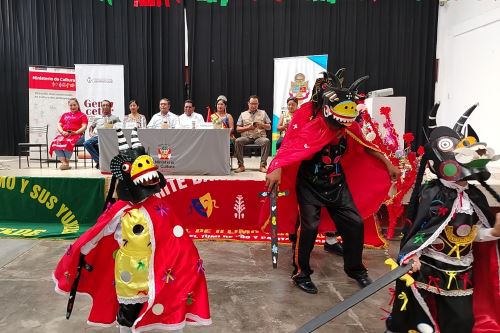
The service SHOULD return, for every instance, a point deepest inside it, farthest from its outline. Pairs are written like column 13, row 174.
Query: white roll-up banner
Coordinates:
column 95, row 83
column 294, row 76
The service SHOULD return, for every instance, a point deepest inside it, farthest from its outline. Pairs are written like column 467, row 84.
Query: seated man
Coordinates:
column 252, row 125
column 190, row 119
column 164, row 118
column 106, row 120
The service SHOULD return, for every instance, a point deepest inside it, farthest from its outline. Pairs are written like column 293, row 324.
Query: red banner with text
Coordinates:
column 229, row 210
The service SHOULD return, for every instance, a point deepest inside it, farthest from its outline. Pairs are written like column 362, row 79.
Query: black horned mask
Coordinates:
column 455, row 156
column 136, row 171
column 337, row 103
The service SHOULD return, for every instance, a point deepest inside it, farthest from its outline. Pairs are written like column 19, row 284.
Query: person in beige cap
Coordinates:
column 252, row 125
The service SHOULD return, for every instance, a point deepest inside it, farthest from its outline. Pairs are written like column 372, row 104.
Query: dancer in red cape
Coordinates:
column 326, row 163
column 137, row 263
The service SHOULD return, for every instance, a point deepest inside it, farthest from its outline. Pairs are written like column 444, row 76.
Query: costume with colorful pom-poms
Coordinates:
column 145, row 270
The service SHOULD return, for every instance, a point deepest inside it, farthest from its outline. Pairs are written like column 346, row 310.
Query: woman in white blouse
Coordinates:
column 134, row 119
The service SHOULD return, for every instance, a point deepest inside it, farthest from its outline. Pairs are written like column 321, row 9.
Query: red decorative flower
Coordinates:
column 412, row 157
column 420, row 151
column 385, row 110
column 408, row 138
column 365, row 116
column 442, row 211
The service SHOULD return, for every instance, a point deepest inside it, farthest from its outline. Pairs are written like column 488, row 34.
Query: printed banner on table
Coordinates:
column 95, row 83
column 55, row 207
column 49, row 91
column 294, row 76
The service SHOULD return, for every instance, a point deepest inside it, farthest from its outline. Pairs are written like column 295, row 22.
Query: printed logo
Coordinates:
column 99, row 80
column 164, row 152
column 299, row 88
column 204, row 205
column 164, row 159
column 239, row 207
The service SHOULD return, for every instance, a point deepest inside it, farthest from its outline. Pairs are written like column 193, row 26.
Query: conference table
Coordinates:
column 176, row 151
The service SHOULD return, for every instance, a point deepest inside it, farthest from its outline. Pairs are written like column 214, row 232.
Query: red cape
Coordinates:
column 486, row 296
column 366, row 175
column 175, row 300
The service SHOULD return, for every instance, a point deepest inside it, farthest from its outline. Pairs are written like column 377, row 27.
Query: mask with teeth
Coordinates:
column 455, row 156
column 338, row 103
column 136, row 171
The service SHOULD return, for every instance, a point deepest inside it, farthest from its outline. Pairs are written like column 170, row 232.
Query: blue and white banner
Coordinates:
column 294, row 76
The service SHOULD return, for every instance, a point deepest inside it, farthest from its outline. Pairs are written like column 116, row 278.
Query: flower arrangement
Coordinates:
column 402, row 157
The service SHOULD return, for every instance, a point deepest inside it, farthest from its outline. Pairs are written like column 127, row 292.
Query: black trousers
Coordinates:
column 128, row 313
column 454, row 313
column 349, row 225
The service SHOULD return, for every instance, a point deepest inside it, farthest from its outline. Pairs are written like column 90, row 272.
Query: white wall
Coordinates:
column 468, row 49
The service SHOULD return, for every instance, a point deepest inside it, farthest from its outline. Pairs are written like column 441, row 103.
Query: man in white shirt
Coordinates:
column 164, row 118
column 106, row 120
column 190, row 119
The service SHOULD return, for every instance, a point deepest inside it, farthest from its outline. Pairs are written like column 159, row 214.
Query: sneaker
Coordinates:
column 97, row 165
column 241, row 168
column 64, row 167
column 263, row 169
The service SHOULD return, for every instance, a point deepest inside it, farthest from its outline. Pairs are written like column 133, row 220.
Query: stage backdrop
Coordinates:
column 57, row 207
column 294, row 76
column 95, row 83
column 49, row 91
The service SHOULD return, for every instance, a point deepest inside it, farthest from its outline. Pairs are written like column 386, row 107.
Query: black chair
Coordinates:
column 249, row 150
column 25, row 148
column 76, row 150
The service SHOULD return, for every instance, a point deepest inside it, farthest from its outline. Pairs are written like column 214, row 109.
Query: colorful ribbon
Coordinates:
column 466, row 280
column 402, row 296
column 168, row 276
column 434, row 282
column 200, row 268
column 452, row 276
column 392, row 291
column 419, row 238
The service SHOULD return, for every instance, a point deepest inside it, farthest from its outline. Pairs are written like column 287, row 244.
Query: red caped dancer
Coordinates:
column 137, row 263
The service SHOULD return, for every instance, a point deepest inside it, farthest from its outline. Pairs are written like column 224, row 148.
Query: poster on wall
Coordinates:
column 49, row 91
column 294, row 77
column 95, row 83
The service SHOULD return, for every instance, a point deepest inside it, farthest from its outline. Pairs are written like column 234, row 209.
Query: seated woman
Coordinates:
column 222, row 119
column 291, row 103
column 134, row 119
column 71, row 127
